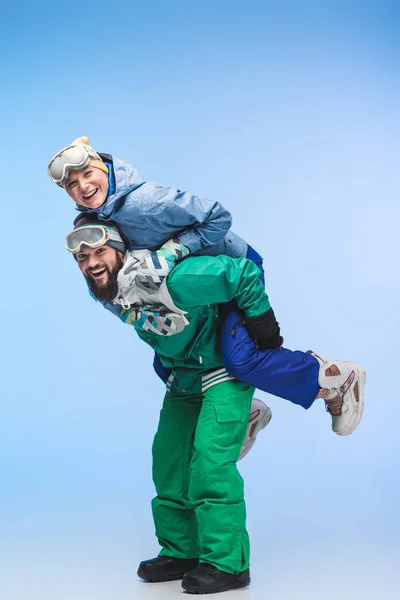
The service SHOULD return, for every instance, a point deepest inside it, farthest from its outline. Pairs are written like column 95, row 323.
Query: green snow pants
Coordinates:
column 199, row 510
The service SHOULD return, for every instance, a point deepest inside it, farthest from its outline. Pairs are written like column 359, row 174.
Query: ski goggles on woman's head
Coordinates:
column 72, row 157
column 94, row 236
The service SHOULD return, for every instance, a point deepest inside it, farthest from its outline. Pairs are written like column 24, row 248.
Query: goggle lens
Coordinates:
column 72, row 157
column 90, row 236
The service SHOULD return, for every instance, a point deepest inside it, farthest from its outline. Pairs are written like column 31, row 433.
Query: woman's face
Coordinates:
column 88, row 187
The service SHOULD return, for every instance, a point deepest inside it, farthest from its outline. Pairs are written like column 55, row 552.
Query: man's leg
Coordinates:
column 216, row 490
column 173, row 513
column 174, row 516
column 216, row 486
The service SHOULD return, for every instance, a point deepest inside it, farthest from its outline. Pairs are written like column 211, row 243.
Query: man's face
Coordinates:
column 100, row 267
column 88, row 187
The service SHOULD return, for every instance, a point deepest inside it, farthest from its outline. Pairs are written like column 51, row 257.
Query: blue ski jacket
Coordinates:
column 149, row 214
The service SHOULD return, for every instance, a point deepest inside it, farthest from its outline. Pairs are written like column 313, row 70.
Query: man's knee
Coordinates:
column 221, row 483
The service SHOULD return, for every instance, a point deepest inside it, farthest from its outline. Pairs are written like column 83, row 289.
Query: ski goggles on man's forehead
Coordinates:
column 93, row 236
column 72, row 157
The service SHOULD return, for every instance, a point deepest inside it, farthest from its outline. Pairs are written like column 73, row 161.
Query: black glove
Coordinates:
column 265, row 330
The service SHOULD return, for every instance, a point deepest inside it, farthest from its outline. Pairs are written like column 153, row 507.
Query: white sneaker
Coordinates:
column 342, row 385
column 260, row 416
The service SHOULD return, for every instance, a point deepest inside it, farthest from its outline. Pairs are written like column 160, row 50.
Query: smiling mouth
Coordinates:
column 90, row 196
column 97, row 273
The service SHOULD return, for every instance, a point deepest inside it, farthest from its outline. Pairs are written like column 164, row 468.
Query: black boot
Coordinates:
column 165, row 568
column 207, row 579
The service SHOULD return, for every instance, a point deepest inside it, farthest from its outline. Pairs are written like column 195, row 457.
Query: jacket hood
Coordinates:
column 126, row 180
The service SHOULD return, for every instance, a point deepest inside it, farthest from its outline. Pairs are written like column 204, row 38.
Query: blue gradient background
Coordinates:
column 288, row 114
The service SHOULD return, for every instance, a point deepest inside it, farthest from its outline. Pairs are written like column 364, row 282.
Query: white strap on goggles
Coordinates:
column 93, row 236
column 76, row 156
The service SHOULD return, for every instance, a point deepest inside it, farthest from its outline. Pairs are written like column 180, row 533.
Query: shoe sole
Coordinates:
column 147, row 579
column 353, row 424
column 239, row 584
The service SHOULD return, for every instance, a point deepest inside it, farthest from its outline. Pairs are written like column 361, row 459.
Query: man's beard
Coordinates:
column 106, row 293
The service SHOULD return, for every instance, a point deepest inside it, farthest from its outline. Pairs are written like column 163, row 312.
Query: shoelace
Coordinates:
column 334, row 405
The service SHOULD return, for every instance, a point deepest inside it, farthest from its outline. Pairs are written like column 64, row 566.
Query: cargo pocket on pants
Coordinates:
column 228, row 431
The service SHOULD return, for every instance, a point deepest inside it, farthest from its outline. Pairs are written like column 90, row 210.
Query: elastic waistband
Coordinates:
column 208, row 380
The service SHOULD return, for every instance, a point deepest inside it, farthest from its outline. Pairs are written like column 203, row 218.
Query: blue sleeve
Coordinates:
column 204, row 222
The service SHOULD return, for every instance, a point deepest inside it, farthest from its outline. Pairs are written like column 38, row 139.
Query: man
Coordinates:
column 199, row 510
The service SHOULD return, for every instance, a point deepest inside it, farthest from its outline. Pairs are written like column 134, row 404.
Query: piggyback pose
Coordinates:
column 147, row 215
column 199, row 510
